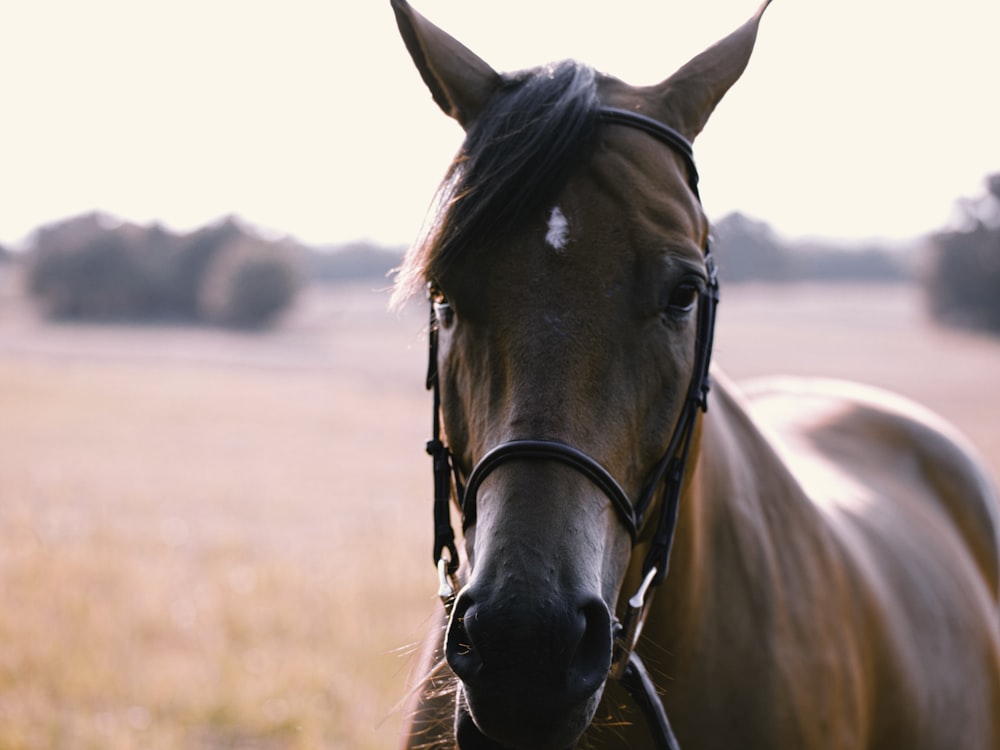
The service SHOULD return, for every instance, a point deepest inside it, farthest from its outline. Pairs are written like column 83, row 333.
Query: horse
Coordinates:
column 834, row 573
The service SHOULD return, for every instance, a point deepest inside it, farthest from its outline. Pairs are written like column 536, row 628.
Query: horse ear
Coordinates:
column 691, row 94
column 460, row 82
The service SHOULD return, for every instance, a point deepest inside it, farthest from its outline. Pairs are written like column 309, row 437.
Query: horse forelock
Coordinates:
column 516, row 154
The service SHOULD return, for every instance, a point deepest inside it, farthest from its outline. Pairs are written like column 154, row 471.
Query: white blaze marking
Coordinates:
column 558, row 234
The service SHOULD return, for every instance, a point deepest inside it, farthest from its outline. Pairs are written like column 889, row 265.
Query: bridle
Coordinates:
column 626, row 666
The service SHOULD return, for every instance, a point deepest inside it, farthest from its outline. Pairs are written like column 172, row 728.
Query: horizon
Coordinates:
column 805, row 243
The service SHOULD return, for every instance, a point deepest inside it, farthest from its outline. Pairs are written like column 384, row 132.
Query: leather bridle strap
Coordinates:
column 627, row 667
column 444, row 535
column 662, row 132
column 548, row 450
column 668, row 472
column 637, row 682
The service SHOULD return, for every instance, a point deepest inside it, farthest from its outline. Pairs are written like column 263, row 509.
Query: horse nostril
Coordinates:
column 591, row 659
column 460, row 651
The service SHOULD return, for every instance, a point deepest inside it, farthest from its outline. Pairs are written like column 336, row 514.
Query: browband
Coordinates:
column 661, row 132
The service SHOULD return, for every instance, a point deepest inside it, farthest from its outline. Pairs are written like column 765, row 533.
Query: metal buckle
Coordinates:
column 627, row 633
column 447, row 584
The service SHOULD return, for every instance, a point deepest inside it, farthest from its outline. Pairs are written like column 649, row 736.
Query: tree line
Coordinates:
column 747, row 250
column 97, row 268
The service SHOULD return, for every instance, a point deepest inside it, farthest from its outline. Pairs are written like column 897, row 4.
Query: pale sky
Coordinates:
column 855, row 118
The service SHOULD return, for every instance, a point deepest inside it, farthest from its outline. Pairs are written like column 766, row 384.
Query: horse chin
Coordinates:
column 484, row 729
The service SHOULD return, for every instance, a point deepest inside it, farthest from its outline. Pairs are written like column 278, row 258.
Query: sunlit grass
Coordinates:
column 198, row 557
column 129, row 643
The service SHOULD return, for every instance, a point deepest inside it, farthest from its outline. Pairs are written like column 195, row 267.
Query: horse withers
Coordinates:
column 833, row 551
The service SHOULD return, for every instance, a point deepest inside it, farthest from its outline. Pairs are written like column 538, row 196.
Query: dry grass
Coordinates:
column 178, row 549
column 220, row 541
column 206, row 555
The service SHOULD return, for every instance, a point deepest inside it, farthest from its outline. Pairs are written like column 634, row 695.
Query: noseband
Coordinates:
column 626, row 665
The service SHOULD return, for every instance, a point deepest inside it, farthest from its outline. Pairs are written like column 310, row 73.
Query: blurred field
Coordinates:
column 214, row 540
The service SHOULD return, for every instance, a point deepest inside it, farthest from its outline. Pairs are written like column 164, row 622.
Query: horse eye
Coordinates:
column 683, row 298
column 444, row 316
column 443, row 313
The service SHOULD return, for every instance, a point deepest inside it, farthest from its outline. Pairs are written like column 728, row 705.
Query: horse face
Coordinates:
column 587, row 339
column 572, row 319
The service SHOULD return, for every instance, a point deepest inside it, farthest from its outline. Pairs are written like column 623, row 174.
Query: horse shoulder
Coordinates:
column 850, row 439
column 916, row 520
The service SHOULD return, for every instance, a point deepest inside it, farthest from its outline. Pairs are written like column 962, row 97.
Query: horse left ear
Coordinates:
column 460, row 81
column 690, row 95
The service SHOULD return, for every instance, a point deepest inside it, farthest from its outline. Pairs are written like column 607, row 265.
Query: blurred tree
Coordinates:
column 993, row 186
column 193, row 258
column 749, row 250
column 88, row 268
column 91, row 267
column 247, row 284
column 963, row 280
column 354, row 261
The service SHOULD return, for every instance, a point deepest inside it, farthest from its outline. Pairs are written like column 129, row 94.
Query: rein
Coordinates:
column 626, row 666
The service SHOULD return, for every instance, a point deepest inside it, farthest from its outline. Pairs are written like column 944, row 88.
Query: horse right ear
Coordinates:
column 690, row 94
column 460, row 82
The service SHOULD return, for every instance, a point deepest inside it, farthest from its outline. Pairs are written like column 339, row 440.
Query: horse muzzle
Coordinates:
column 532, row 669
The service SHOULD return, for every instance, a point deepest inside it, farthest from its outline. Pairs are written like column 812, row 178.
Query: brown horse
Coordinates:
column 834, row 566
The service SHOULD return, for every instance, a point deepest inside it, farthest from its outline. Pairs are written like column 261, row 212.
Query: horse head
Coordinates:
column 567, row 270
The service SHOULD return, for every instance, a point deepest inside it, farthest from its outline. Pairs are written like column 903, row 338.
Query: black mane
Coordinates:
column 515, row 156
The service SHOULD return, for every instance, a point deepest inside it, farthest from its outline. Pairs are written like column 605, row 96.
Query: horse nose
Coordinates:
column 494, row 642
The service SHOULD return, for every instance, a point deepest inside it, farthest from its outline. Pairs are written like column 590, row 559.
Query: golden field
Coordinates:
column 218, row 540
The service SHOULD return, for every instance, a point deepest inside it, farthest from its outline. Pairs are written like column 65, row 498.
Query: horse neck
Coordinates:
column 735, row 511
